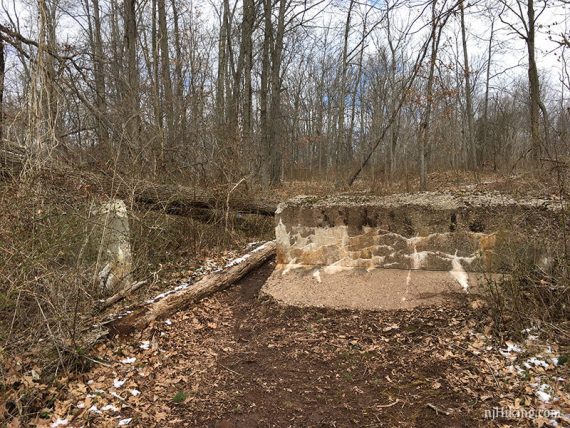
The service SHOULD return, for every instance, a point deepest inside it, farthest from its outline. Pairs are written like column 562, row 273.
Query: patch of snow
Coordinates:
column 168, row 322
column 261, row 247
column 535, row 362
column 235, row 262
column 176, row 289
column 145, row 344
column 125, row 421
column 317, row 275
column 109, row 407
column 129, row 360
column 135, row 392
column 516, row 368
column 243, row 258
column 511, row 348
column 542, row 393
column 117, row 383
column 94, row 409
column 59, row 422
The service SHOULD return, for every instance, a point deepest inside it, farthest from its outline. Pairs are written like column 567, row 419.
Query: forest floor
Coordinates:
column 236, row 360
column 239, row 360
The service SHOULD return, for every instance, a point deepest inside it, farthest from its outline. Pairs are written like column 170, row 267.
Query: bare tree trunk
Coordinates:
column 534, row 86
column 2, row 73
column 264, row 119
column 426, row 119
column 247, row 54
column 168, row 110
column 96, row 43
column 395, row 130
column 486, row 99
column 222, row 70
column 153, row 67
column 341, row 137
column 358, row 79
column 180, row 117
column 131, row 91
column 46, row 71
column 468, row 95
column 276, row 121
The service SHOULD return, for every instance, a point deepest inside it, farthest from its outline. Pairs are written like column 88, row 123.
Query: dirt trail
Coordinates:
column 235, row 360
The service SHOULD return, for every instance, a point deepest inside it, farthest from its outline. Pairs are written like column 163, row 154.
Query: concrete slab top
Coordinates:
column 432, row 200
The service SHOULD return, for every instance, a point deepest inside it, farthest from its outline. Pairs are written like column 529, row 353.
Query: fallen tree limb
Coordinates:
column 120, row 295
column 185, row 296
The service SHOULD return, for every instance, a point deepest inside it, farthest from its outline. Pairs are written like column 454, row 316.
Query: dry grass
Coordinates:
column 49, row 261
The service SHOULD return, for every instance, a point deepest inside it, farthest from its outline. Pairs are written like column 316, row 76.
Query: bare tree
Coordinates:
column 468, row 91
column 527, row 16
column 2, row 79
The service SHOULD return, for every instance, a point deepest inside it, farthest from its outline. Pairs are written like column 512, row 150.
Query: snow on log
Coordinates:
column 169, row 303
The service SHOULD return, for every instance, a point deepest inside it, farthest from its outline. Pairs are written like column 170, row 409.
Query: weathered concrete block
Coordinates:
column 114, row 248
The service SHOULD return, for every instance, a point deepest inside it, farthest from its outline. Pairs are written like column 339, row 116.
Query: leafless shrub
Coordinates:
column 535, row 291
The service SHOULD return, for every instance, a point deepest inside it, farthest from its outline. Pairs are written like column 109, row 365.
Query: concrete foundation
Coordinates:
column 328, row 244
column 430, row 231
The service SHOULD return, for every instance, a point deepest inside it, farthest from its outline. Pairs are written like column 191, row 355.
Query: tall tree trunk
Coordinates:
column 355, row 93
column 426, row 120
column 2, row 73
column 395, row 130
column 276, row 121
column 222, row 71
column 46, row 71
column 264, row 119
column 131, row 91
column 96, row 42
column 468, row 95
column 341, row 137
column 247, row 55
column 179, row 115
column 154, row 77
column 534, row 86
column 486, row 140
column 166, row 81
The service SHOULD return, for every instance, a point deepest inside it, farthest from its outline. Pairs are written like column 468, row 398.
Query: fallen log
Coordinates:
column 145, row 195
column 186, row 295
column 178, row 200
